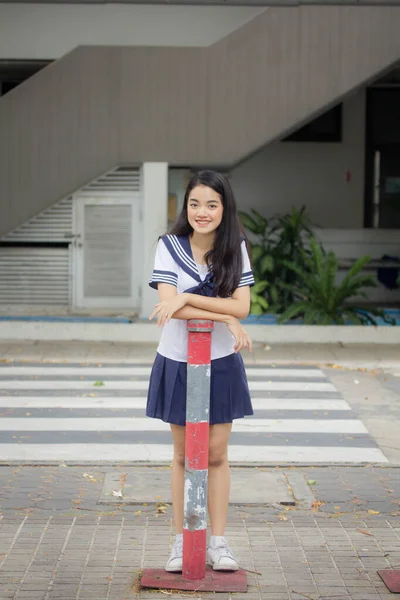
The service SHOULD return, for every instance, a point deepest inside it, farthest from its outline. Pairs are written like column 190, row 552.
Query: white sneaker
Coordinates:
column 175, row 561
column 220, row 555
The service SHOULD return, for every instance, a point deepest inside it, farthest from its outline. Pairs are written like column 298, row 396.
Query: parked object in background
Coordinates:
column 389, row 276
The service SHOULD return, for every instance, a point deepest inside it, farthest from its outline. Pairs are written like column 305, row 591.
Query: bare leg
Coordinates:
column 218, row 477
column 178, row 475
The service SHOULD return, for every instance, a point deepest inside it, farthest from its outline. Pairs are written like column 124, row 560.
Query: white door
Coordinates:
column 105, row 243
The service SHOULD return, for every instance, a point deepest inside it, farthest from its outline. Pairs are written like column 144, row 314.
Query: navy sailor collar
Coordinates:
column 181, row 251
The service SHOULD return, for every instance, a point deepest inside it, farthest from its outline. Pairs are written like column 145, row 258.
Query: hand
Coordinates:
column 240, row 334
column 165, row 310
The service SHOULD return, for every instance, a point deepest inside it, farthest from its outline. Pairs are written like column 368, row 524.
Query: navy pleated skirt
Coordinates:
column 229, row 393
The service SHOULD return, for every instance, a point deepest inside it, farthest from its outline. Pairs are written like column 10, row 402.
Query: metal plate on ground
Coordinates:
column 391, row 579
column 214, row 581
column 152, row 484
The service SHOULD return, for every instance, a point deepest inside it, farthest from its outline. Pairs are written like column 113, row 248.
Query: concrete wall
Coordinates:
column 98, row 107
column 39, row 31
column 286, row 174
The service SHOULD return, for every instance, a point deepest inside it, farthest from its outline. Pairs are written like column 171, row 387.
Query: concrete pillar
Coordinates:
column 154, row 223
column 178, row 181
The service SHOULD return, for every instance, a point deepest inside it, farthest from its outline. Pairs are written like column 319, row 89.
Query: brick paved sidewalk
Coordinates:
column 57, row 543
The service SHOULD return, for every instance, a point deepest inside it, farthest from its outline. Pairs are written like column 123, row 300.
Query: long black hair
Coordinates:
column 225, row 257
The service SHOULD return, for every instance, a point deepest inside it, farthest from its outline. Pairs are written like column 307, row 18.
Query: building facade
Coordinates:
column 106, row 110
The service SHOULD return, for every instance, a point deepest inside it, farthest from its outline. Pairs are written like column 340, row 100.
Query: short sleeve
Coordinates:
column 165, row 268
column 247, row 274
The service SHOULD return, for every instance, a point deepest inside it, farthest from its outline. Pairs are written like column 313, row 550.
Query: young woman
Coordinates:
column 202, row 271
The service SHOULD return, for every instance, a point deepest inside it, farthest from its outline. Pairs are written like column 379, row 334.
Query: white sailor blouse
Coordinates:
column 174, row 264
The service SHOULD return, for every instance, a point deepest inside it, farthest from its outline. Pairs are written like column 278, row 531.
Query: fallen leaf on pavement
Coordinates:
column 311, row 482
column 161, row 508
column 365, row 532
column 316, row 504
column 373, row 512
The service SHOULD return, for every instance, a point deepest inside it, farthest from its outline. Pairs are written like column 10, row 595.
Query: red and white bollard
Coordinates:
column 196, row 450
column 195, row 575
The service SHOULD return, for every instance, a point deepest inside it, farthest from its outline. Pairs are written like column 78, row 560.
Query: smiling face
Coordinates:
column 204, row 209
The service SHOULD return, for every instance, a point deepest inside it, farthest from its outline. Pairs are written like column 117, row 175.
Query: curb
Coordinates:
column 150, row 333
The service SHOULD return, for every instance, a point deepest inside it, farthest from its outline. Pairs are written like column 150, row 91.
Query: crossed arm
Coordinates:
column 192, row 306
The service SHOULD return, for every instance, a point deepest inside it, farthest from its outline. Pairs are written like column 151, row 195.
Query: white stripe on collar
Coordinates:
column 182, row 251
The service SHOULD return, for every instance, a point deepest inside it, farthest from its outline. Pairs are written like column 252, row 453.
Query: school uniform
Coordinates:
column 229, row 391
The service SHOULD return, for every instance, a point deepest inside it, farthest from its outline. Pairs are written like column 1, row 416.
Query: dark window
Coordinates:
column 15, row 72
column 384, row 114
column 382, row 203
column 325, row 128
column 7, row 86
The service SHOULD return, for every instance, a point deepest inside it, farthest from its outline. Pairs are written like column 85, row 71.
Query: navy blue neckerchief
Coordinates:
column 205, row 288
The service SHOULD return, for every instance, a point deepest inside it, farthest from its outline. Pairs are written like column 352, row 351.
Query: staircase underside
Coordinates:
column 99, row 107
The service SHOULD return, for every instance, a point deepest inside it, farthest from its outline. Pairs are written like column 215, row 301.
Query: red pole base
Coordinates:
column 194, row 554
column 214, row 581
column 391, row 578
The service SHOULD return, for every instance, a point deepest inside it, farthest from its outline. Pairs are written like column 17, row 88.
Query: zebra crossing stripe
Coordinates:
column 162, row 453
column 145, row 372
column 137, row 424
column 115, row 402
column 282, row 386
column 306, row 428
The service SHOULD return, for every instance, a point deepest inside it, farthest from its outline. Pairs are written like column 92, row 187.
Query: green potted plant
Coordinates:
column 278, row 240
column 319, row 300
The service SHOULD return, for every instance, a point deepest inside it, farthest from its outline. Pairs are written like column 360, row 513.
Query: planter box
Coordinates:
column 271, row 319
